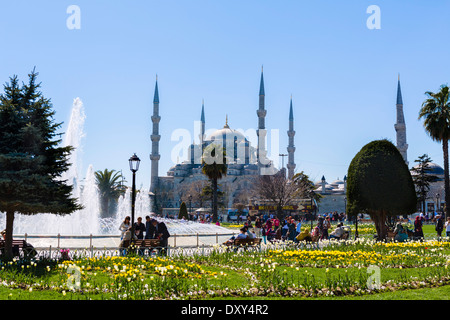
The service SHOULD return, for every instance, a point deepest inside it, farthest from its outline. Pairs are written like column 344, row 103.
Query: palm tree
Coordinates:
column 110, row 186
column 214, row 167
column 436, row 113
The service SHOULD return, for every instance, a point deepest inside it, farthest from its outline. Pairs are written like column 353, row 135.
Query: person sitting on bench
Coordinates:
column 250, row 234
column 338, row 232
column 304, row 236
column 400, row 234
column 126, row 239
column 241, row 235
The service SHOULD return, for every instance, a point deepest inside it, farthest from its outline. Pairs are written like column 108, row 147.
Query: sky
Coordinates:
column 342, row 75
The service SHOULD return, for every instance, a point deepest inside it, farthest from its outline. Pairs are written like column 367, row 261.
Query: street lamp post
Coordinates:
column 190, row 207
column 134, row 167
column 438, row 197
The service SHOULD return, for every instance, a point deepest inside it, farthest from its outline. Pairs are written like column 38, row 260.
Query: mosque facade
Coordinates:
column 244, row 161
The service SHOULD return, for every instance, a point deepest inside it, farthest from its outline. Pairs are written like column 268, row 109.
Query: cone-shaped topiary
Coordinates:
column 379, row 183
column 183, row 212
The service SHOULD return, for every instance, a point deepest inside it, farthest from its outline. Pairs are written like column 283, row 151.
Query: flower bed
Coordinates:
column 338, row 268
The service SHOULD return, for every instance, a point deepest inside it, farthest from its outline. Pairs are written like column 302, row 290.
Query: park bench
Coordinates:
column 247, row 242
column 19, row 246
column 391, row 235
column 141, row 246
column 243, row 243
column 142, row 243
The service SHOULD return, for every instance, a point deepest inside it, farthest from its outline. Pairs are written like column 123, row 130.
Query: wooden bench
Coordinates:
column 243, row 243
column 142, row 243
column 19, row 246
column 391, row 235
column 247, row 242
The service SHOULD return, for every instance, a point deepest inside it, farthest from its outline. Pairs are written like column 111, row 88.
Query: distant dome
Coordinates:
column 434, row 169
column 337, row 182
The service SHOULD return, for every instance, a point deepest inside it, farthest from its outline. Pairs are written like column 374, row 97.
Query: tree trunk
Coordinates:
column 9, row 235
column 446, row 179
column 379, row 218
column 214, row 205
column 280, row 212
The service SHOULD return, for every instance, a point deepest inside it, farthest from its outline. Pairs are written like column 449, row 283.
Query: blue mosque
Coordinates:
column 244, row 160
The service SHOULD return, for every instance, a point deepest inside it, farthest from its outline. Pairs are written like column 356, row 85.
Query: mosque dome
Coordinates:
column 434, row 169
column 337, row 182
column 227, row 133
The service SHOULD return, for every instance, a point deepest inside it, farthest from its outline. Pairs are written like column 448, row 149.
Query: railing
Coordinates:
column 111, row 241
column 94, row 252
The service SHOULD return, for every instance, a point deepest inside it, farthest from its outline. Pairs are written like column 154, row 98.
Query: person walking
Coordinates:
column 258, row 225
column 447, row 227
column 264, row 233
column 418, row 232
column 439, row 226
column 326, row 226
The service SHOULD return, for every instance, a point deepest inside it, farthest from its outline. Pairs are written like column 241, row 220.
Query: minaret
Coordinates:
column 155, row 137
column 261, row 132
column 202, row 119
column 291, row 147
column 400, row 126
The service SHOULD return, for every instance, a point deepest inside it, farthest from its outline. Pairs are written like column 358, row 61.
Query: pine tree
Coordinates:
column 31, row 162
column 422, row 178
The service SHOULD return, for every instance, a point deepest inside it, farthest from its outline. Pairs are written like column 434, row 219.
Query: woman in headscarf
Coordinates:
column 418, row 232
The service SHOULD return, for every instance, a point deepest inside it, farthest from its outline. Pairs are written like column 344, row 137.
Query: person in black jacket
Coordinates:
column 139, row 229
column 161, row 233
column 149, row 229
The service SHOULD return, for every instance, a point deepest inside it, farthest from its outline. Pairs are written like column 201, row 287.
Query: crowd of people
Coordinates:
column 151, row 229
column 270, row 228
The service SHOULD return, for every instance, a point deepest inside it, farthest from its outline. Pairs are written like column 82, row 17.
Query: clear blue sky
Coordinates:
column 342, row 76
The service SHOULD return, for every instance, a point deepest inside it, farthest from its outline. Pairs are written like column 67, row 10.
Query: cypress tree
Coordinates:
column 183, row 212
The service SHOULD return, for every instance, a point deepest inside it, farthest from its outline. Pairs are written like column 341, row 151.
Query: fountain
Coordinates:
column 87, row 221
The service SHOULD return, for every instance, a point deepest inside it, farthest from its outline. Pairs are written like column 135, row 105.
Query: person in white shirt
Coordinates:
column 126, row 224
column 447, row 227
column 338, row 232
